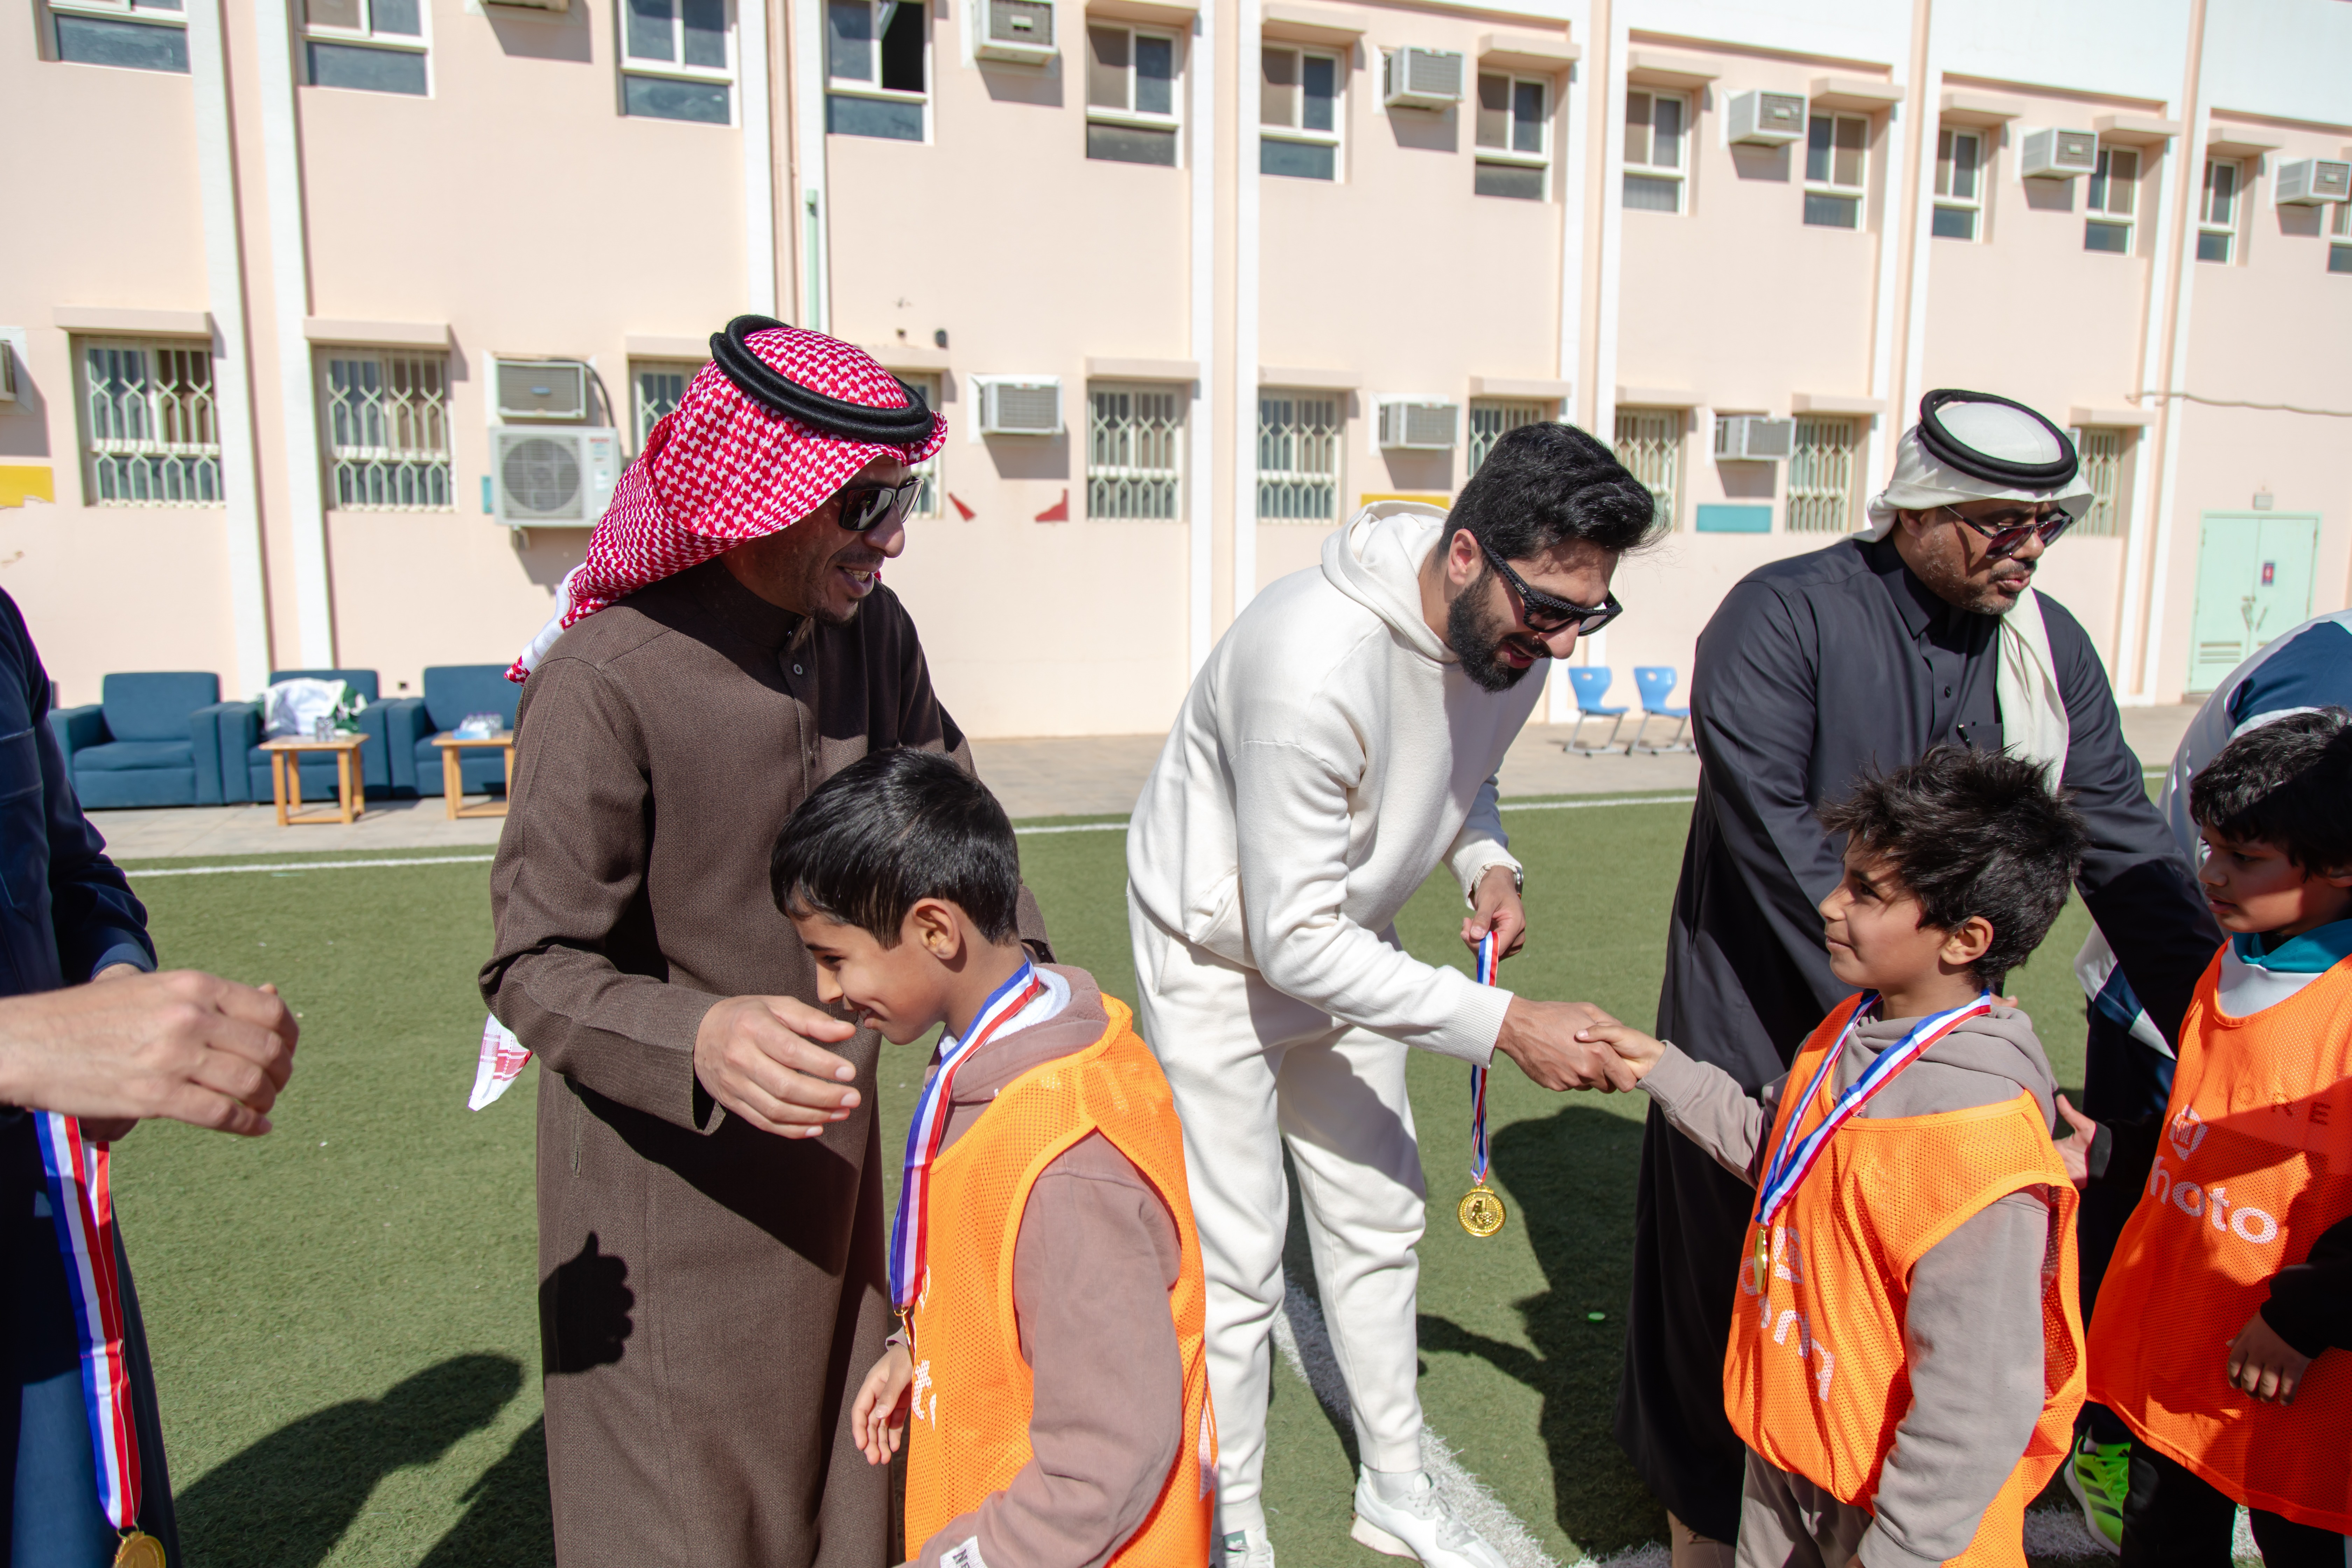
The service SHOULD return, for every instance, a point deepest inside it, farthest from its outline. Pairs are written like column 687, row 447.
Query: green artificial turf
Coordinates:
column 344, row 1314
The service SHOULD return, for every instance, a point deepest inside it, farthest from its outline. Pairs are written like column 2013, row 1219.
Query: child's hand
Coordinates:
column 879, row 1419
column 2074, row 1152
column 2264, row 1366
column 1636, row 1053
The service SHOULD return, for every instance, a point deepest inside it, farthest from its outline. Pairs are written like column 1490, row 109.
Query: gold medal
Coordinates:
column 1481, row 1212
column 139, row 1549
column 1764, row 1261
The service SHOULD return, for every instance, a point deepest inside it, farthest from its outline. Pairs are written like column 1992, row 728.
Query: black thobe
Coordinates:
column 1812, row 670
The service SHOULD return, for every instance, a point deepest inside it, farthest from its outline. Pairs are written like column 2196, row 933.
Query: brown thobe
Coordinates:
column 707, row 1291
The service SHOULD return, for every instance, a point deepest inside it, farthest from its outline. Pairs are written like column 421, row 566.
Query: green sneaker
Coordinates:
column 2099, row 1475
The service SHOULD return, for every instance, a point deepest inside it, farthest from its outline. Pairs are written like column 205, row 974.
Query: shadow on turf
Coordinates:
column 1571, row 1178
column 288, row 1499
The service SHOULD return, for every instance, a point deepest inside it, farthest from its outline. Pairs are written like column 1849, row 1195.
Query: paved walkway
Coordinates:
column 1094, row 775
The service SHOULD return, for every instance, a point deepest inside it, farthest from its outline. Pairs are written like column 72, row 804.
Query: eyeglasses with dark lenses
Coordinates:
column 1546, row 614
column 2009, row 537
column 866, row 506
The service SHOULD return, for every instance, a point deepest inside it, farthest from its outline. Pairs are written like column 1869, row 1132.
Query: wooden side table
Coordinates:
column 286, row 778
column 453, row 781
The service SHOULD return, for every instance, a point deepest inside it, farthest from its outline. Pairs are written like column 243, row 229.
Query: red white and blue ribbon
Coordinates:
column 909, row 1232
column 1795, row 1157
column 1478, row 1159
column 82, row 1206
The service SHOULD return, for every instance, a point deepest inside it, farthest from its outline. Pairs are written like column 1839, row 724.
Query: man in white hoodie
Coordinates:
column 1341, row 741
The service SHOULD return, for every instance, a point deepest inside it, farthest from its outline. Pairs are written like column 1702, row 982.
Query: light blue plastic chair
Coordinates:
column 1656, row 683
column 1591, row 684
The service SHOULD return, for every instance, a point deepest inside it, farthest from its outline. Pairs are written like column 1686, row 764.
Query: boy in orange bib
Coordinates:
column 1905, row 1362
column 2221, row 1329
column 1044, row 1264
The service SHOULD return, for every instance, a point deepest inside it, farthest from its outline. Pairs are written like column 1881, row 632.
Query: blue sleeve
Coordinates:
column 2312, row 669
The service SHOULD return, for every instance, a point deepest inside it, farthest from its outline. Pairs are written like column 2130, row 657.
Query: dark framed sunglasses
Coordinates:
column 2048, row 521
column 866, row 506
column 1544, row 614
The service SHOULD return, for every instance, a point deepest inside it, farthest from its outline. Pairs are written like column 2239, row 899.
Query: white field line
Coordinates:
column 310, row 865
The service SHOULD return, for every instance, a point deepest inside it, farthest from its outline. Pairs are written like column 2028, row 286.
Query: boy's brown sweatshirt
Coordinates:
column 1972, row 1335
column 1096, row 1255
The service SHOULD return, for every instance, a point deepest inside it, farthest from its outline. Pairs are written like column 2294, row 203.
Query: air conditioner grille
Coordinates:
column 541, row 478
column 1779, row 111
column 1028, row 407
column 530, row 390
column 1021, row 22
column 1429, row 425
column 1433, row 74
column 2078, row 150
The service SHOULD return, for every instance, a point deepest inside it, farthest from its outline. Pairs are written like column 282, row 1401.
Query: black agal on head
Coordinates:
column 780, row 395
column 2010, row 472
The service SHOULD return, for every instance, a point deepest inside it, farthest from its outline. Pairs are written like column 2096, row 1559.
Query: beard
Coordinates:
column 1476, row 635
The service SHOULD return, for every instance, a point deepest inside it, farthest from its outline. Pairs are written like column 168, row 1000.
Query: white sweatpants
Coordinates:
column 1252, row 1068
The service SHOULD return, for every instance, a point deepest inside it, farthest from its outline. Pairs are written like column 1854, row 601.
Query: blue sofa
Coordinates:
column 452, row 691
column 387, row 747
column 152, row 739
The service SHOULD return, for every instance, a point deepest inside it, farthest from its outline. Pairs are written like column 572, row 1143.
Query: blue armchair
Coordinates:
column 452, row 691
column 151, row 740
column 388, row 739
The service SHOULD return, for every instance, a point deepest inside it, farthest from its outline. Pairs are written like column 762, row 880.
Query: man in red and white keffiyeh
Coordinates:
column 710, row 1175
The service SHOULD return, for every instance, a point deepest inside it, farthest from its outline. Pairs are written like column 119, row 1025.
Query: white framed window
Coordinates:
column 656, row 386
column 1135, row 451
column 927, row 499
column 388, row 431
column 2103, row 450
column 147, row 422
column 677, row 61
column 1821, row 474
column 2339, row 255
column 1657, row 149
column 1134, row 109
column 1960, row 184
column 1300, row 111
column 2217, row 209
column 1837, row 169
column 875, row 67
column 2111, row 201
column 1300, row 435
column 365, row 45
column 135, row 34
column 1650, row 444
column 1492, row 418
column 1514, row 136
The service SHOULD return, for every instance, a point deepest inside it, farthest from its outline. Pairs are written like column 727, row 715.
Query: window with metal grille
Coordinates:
column 1820, row 475
column 875, row 70
column 1135, row 451
column 928, row 498
column 147, row 411
column 677, row 60
column 1298, row 445
column 1299, row 112
column 1960, row 184
column 1650, row 444
column 1492, row 417
column 2217, row 209
column 367, row 45
column 660, row 385
column 1132, row 104
column 1655, row 167
column 2339, row 255
column 2101, row 448
column 1514, row 136
column 388, row 432
column 1837, row 168
column 136, row 35
column 2110, row 200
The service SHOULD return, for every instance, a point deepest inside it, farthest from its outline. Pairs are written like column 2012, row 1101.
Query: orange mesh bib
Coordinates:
column 969, row 1423
column 2255, row 1163
column 1814, row 1379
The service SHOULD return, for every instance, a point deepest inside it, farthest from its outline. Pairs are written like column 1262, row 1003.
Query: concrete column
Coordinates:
column 1200, row 452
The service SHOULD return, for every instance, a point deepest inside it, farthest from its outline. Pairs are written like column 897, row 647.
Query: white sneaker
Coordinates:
column 1244, row 1549
column 1424, row 1529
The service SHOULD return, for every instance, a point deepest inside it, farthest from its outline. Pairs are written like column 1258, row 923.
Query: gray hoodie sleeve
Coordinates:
column 1707, row 1106
column 1972, row 1335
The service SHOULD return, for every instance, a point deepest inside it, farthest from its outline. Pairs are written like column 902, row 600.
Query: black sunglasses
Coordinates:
column 866, row 506
column 2049, row 523
column 1544, row 614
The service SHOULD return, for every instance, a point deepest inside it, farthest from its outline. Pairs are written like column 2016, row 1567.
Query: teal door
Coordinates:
column 2253, row 583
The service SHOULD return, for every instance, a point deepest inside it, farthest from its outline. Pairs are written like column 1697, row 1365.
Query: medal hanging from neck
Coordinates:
column 1481, row 1212
column 1794, row 1158
column 910, row 1232
column 81, row 1204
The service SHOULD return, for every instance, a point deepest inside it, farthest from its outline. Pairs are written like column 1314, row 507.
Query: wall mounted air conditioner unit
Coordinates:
column 1753, row 439
column 1417, row 424
column 555, row 390
column 2059, row 154
column 1421, row 79
column 1020, row 31
column 2308, row 182
column 1760, row 118
column 559, row 478
column 1020, row 405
